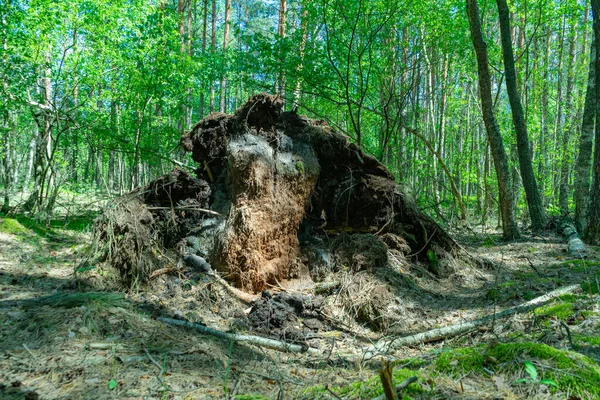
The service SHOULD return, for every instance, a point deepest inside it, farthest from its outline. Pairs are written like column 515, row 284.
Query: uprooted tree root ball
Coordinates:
column 276, row 196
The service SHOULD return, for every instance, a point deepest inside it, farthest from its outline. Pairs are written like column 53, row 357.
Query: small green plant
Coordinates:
column 489, row 242
column 112, row 384
column 534, row 378
column 300, row 167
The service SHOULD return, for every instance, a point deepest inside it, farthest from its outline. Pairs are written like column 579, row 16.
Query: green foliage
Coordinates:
column 533, row 376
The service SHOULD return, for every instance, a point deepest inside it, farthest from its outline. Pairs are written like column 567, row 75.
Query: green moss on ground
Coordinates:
column 590, row 340
column 580, row 265
column 367, row 389
column 562, row 311
column 574, row 373
column 13, row 227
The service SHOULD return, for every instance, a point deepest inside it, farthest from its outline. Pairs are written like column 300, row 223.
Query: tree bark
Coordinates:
column 213, row 46
column 567, row 127
column 281, row 33
column 584, row 160
column 509, row 225
column 534, row 201
column 592, row 232
column 225, row 44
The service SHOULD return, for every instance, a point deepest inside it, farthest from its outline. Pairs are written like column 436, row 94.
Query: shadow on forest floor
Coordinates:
column 61, row 338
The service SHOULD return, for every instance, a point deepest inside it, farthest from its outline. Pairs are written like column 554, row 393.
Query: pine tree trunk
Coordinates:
column 509, row 224
column 534, row 201
column 584, row 160
column 223, row 104
column 592, row 232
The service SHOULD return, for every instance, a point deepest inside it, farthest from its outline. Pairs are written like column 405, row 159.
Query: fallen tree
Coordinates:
column 276, row 196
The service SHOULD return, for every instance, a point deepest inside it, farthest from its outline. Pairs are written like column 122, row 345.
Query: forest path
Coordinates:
column 73, row 344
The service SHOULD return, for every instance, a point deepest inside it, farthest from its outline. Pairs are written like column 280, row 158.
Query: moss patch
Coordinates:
column 580, row 265
column 574, row 373
column 367, row 389
column 591, row 340
column 561, row 311
column 13, row 227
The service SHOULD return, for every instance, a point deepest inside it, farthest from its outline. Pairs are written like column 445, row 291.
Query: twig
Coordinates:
column 256, row 340
column 534, row 267
column 30, row 352
column 568, row 334
column 466, row 326
column 332, row 392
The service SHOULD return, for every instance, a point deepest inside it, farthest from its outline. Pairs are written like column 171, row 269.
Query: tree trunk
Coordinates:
column 592, row 232
column 509, row 224
column 225, row 44
column 281, row 33
column 202, row 80
column 534, row 201
column 213, row 47
column 567, row 127
column 304, row 29
column 584, row 160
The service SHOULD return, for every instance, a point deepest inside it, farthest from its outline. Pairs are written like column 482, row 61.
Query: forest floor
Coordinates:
column 62, row 338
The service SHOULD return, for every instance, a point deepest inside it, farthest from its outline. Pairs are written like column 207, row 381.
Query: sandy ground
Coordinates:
column 108, row 349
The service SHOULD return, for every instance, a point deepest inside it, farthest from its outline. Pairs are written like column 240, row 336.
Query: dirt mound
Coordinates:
column 290, row 317
column 277, row 196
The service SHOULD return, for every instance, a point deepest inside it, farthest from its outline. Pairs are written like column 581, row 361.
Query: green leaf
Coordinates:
column 531, row 370
column 112, row 384
column 549, row 382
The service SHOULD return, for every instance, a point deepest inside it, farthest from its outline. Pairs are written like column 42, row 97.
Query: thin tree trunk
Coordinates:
column 222, row 107
column 202, row 81
column 584, row 160
column 509, row 224
column 534, row 201
column 568, row 126
column 592, row 232
column 304, row 29
column 281, row 33
column 213, row 47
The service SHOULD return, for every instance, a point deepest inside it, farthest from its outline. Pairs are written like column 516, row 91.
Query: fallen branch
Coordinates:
column 256, row 340
column 448, row 331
